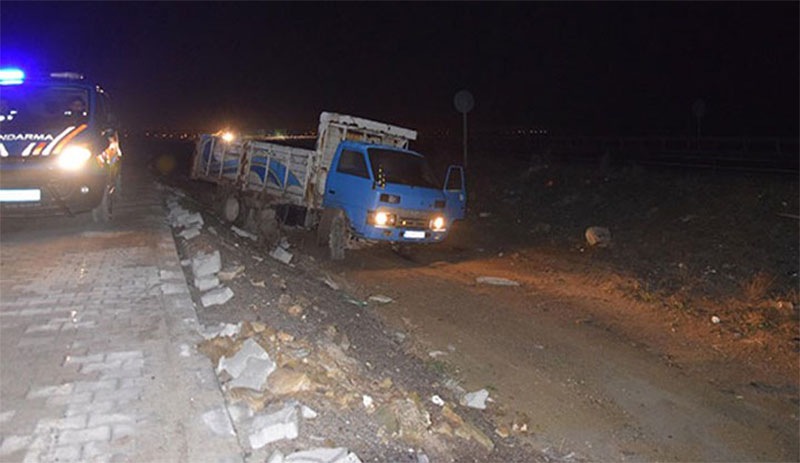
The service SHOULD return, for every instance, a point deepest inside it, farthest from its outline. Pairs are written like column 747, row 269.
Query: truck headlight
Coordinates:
column 383, row 219
column 73, row 157
column 438, row 223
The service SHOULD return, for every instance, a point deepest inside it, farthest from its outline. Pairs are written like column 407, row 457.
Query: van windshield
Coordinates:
column 401, row 167
column 42, row 107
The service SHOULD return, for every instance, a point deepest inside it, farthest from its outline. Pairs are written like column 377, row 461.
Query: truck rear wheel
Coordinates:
column 231, row 209
column 339, row 236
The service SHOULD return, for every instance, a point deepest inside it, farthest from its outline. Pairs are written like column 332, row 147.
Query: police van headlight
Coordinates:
column 438, row 223
column 73, row 157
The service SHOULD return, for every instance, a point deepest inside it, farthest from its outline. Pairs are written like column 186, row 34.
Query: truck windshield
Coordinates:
column 393, row 166
column 42, row 107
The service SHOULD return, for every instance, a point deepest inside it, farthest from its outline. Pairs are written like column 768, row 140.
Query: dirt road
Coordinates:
column 592, row 373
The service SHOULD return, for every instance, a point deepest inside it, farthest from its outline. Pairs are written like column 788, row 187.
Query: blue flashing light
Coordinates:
column 11, row 76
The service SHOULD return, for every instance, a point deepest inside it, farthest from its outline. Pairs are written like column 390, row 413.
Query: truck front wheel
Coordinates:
column 339, row 235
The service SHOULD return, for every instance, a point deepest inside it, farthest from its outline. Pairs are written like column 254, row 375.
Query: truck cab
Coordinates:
column 387, row 193
column 59, row 147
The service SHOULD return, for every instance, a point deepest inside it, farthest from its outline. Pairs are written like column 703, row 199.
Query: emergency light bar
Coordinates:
column 11, row 76
column 66, row 75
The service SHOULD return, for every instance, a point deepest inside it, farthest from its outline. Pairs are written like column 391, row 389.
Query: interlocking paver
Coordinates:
column 88, row 358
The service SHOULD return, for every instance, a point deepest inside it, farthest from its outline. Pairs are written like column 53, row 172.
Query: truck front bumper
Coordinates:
column 402, row 235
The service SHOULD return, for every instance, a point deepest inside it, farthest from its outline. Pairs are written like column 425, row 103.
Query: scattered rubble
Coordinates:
column 206, row 282
column 281, row 255
column 475, row 399
column 230, row 273
column 206, row 264
column 249, row 368
column 282, row 424
column 217, row 296
column 243, row 233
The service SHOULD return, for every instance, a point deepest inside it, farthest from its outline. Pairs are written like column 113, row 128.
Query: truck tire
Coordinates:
column 231, row 209
column 324, row 226
column 102, row 213
column 339, row 236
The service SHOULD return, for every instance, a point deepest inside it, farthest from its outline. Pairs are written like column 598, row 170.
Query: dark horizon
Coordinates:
column 594, row 69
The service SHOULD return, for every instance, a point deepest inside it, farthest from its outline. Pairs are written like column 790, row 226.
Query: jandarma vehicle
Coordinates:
column 59, row 147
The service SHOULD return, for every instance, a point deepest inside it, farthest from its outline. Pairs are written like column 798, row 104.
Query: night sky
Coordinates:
column 586, row 68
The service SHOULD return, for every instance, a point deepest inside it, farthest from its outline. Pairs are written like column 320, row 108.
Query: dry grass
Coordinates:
column 758, row 287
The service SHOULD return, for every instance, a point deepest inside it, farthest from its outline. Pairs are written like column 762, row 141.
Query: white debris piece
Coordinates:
column 243, row 233
column 206, row 264
column 496, row 281
column 715, row 320
column 308, row 413
column 186, row 350
column 367, row 401
column 217, row 296
column 189, row 233
column 437, row 353
column 219, row 422
column 238, row 363
column 381, row 299
column 437, row 400
column 282, row 255
column 274, row 427
column 186, row 262
column 475, row 399
column 207, row 282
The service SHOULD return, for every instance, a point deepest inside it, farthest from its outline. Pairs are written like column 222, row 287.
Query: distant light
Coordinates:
column 10, row 76
column 228, row 137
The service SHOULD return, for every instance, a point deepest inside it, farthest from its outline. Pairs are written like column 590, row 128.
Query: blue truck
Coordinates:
column 362, row 182
column 59, row 147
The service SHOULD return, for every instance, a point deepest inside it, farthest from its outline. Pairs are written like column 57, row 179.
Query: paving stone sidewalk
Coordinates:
column 97, row 336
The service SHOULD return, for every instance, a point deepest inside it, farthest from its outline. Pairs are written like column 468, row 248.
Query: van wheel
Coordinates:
column 339, row 235
column 102, row 213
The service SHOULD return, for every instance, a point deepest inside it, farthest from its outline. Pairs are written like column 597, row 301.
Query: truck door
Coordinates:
column 347, row 185
column 455, row 193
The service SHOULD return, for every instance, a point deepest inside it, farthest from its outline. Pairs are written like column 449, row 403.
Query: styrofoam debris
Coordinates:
column 207, row 282
column 219, row 422
column 496, row 281
column 217, row 296
column 206, row 264
column 437, row 400
column 243, row 233
column 274, row 427
column 437, row 353
column 475, row 399
column 281, row 254
column 381, row 299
